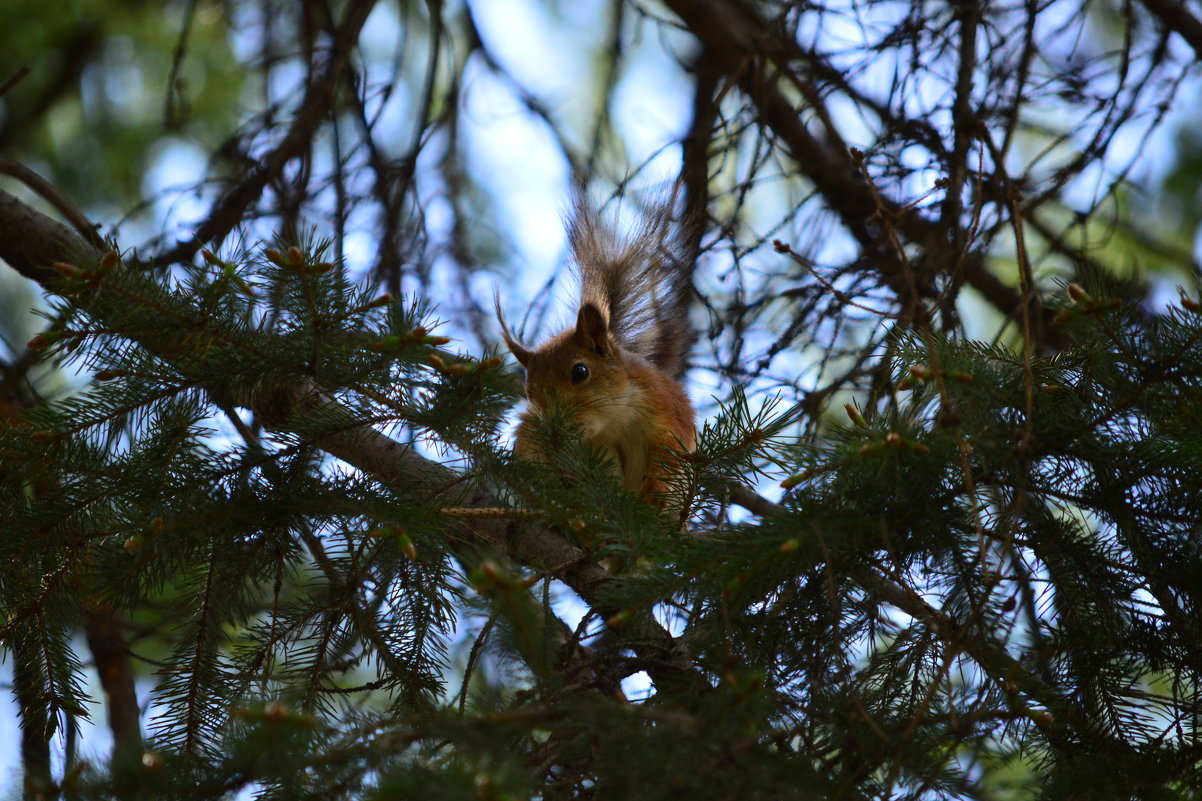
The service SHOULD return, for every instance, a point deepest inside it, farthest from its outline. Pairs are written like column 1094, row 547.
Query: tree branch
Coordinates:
column 1175, row 16
column 745, row 44
column 30, row 241
column 313, row 111
column 389, row 461
column 111, row 655
column 990, row 655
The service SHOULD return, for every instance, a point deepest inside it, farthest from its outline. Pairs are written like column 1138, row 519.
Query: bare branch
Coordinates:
column 315, row 109
column 30, row 241
column 1174, row 14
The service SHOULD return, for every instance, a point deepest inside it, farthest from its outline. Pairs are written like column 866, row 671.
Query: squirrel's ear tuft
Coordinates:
column 519, row 352
column 592, row 330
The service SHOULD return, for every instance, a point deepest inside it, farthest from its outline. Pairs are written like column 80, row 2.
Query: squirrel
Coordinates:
column 616, row 373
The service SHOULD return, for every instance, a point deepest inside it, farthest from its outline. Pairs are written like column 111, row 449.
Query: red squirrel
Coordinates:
column 616, row 372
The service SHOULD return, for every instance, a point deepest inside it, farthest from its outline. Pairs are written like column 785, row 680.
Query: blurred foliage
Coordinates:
column 118, row 79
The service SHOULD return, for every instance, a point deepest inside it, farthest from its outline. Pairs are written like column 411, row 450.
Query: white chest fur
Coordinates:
column 614, row 425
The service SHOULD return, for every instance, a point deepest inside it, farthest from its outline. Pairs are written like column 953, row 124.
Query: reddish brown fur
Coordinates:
column 630, row 334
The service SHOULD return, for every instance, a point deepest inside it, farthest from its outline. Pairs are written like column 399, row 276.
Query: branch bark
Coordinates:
column 28, row 687
column 1175, row 16
column 389, row 461
column 111, row 655
column 30, row 241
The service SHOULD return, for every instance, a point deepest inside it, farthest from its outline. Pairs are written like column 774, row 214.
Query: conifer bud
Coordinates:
column 274, row 256
column 893, row 439
column 65, row 270
column 795, row 479
column 108, row 261
column 459, row 369
column 385, row 343
column 43, row 341
column 854, row 414
column 294, row 257
column 618, row 620
column 1076, row 293
column 1189, row 304
column 790, row 545
column 491, row 362
column 151, row 761
column 1064, row 317
column 493, row 572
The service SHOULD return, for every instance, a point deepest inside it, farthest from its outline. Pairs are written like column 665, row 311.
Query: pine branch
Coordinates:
column 391, row 462
column 34, row 720
column 989, row 655
column 30, row 241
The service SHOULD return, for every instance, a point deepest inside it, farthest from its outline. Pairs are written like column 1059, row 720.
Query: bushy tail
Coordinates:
column 638, row 280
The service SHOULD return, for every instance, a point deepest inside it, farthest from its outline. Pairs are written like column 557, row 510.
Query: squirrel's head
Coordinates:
column 582, row 369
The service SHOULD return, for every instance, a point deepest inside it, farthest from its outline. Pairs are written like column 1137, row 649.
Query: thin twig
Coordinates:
column 43, row 188
column 13, row 80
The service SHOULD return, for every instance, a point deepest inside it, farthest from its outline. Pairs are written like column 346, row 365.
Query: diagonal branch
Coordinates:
column 391, row 462
column 748, row 47
column 989, row 654
column 30, row 241
column 1175, row 16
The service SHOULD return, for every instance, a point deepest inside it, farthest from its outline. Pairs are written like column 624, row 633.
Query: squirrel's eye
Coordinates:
column 579, row 372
